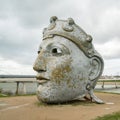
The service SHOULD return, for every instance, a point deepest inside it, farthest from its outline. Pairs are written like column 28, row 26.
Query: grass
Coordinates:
column 40, row 104
column 108, row 80
column 100, row 91
column 72, row 103
column 7, row 95
column 114, row 116
column 3, row 95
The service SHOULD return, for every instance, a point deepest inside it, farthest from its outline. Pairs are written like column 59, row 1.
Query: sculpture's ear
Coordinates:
column 96, row 68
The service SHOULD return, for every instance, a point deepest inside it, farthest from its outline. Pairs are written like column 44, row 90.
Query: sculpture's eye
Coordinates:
column 56, row 51
column 38, row 52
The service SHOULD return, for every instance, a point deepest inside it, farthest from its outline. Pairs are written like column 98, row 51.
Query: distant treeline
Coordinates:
column 17, row 76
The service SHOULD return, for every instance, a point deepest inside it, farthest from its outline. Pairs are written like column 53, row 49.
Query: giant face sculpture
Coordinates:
column 67, row 65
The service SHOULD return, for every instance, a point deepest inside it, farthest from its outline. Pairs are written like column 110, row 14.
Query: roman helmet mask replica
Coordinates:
column 73, row 33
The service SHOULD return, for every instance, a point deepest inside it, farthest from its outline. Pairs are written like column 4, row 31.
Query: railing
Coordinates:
column 18, row 79
column 23, row 80
column 109, row 80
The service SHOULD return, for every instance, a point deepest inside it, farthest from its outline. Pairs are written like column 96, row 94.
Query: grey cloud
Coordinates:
column 18, row 43
column 32, row 13
column 28, row 12
column 24, row 54
column 110, row 49
column 22, row 21
column 105, row 17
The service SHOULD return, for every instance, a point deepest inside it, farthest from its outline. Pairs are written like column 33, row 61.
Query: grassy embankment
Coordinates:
column 7, row 94
column 114, row 116
column 108, row 80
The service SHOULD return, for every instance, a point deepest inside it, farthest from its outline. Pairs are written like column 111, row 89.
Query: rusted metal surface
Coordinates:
column 67, row 65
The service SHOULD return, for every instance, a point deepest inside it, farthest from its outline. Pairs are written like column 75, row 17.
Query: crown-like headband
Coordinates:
column 71, row 31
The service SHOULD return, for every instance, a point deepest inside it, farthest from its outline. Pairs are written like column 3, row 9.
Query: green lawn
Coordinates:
column 3, row 95
column 108, row 80
column 114, row 116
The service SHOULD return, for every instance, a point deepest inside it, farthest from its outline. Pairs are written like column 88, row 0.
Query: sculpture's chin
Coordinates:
column 56, row 94
column 51, row 99
column 48, row 99
column 50, row 95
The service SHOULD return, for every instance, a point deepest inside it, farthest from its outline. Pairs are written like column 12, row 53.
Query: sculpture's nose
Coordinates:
column 40, row 64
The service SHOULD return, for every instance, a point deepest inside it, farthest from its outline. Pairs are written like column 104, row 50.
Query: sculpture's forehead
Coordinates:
column 64, row 44
column 58, row 41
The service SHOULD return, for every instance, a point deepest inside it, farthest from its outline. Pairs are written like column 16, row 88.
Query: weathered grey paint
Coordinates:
column 67, row 65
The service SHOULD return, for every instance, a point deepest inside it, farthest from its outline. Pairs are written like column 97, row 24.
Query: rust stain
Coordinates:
column 61, row 71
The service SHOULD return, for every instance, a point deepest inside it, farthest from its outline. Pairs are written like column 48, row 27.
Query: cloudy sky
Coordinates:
column 22, row 21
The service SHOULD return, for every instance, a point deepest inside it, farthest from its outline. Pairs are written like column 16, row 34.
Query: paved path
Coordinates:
column 27, row 108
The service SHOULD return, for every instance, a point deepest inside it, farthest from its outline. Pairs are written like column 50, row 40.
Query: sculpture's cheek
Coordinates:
column 61, row 73
column 60, row 69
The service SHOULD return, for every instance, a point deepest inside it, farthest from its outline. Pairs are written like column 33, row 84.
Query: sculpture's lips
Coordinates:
column 41, row 79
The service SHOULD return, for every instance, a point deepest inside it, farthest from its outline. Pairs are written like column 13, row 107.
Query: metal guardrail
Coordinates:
column 109, row 80
column 17, row 76
column 18, row 79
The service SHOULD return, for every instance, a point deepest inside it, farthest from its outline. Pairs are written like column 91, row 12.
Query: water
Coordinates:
column 108, row 88
column 11, row 87
column 31, row 87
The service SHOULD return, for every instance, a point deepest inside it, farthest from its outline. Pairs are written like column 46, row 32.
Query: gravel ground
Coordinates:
column 28, row 108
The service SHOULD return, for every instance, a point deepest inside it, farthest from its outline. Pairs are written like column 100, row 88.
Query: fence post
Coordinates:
column 103, row 85
column 17, row 88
